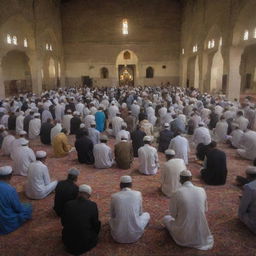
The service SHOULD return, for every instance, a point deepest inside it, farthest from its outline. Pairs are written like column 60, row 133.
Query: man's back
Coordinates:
column 65, row 191
column 84, row 148
column 103, row 155
column 123, row 154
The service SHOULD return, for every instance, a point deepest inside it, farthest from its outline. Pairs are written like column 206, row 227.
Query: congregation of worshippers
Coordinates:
column 142, row 122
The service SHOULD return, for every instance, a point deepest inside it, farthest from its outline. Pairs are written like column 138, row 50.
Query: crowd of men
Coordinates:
column 177, row 119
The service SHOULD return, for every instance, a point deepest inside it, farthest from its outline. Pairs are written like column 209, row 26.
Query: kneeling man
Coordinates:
column 187, row 222
column 127, row 221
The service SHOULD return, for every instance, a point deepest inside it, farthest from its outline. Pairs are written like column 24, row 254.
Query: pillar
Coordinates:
column 234, row 77
column 203, row 64
column 183, row 73
column 2, row 88
column 36, row 66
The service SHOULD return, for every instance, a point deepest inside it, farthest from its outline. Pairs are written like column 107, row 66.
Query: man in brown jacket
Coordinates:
column 124, row 153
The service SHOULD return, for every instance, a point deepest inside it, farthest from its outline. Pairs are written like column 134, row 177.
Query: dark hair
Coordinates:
column 125, row 185
column 213, row 144
column 72, row 177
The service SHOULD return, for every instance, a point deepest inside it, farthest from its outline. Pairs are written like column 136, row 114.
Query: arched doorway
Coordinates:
column 193, row 72
column 16, row 73
column 127, row 68
column 216, row 72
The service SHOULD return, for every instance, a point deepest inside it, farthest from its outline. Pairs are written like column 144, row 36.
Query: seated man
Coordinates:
column 247, row 145
column 215, row 169
column 103, row 154
column 170, row 173
column 80, row 223
column 84, row 148
column 124, row 153
column 247, row 207
column 94, row 134
column 45, row 132
column 148, row 158
column 187, row 222
column 39, row 184
column 65, row 191
column 60, row 144
column 12, row 213
column 137, row 140
column 165, row 137
column 127, row 221
column 250, row 175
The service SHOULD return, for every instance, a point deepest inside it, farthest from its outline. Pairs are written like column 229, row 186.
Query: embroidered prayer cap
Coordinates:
column 85, row 189
column 126, row 179
column 41, row 154
column 186, row 173
column 169, row 152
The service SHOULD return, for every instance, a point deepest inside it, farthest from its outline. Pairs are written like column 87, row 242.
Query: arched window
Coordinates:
column 14, row 40
column 25, row 43
column 246, row 35
column 9, row 39
column 47, row 47
column 127, row 55
column 104, row 73
column 125, row 27
column 50, row 48
column 149, row 72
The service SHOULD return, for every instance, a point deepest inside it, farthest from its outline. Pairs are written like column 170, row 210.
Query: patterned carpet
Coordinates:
column 42, row 235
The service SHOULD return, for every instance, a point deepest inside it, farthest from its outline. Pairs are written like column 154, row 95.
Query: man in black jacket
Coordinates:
column 84, row 148
column 45, row 132
column 215, row 170
column 137, row 140
column 75, row 123
column 81, row 223
column 65, row 191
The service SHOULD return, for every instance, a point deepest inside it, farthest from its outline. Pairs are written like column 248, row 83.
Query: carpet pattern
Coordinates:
column 42, row 235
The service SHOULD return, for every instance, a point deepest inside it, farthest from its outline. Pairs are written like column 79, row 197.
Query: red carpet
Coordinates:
column 42, row 235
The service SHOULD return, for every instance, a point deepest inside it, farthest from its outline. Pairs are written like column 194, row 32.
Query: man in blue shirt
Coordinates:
column 12, row 213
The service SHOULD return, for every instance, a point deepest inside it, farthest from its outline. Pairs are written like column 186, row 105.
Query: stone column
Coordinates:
column 203, row 65
column 183, row 72
column 234, row 77
column 36, row 66
column 2, row 89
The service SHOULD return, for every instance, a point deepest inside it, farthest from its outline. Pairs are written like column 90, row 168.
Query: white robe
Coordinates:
column 202, row 135
column 112, row 110
column 6, row 145
column 66, row 122
column 242, row 122
column 221, row 131
column 34, row 128
column 248, row 145
column 22, row 158
column 122, row 133
column 59, row 112
column 135, row 108
column 94, row 135
column 148, row 160
column 116, row 124
column 235, row 137
column 38, row 184
column 103, row 156
column 170, row 175
column 181, row 147
column 187, row 222
column 88, row 120
column 127, row 221
column 45, row 115
column 19, row 123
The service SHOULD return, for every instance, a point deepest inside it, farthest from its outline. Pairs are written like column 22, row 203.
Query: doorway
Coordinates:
column 126, row 75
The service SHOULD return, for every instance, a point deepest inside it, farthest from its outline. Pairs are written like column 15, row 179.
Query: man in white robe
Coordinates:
column 94, row 134
column 46, row 114
column 187, row 223
column 242, row 121
column 112, row 111
column 103, row 154
column 135, row 108
column 201, row 135
column 34, row 126
column 59, row 111
column 56, row 129
column 66, row 120
column 170, row 173
column 123, row 133
column 17, row 143
column 6, row 145
column 39, row 184
column 181, row 147
column 88, row 120
column 20, row 122
column 23, row 156
column 221, row 130
column 117, row 122
column 127, row 221
column 148, row 158
column 236, row 136
column 247, row 143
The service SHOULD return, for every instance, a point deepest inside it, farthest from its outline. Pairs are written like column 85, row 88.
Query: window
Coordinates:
column 246, row 35
column 14, row 40
column 9, row 39
column 47, row 47
column 50, row 47
column 195, row 48
column 127, row 55
column 104, row 73
column 149, row 72
column 209, row 44
column 254, row 33
column 125, row 27
column 25, row 42
column 183, row 51
column 220, row 41
column 212, row 43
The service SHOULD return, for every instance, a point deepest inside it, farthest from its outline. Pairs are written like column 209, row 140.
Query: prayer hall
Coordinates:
column 127, row 128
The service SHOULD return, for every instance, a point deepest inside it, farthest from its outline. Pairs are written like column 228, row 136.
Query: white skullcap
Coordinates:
column 76, row 113
column 147, row 138
column 103, row 137
column 41, row 154
column 166, row 125
column 201, row 123
column 186, row 173
column 126, row 179
column 251, row 170
column 169, row 152
column 93, row 123
column 82, row 125
column 5, row 170
column 85, row 189
column 124, row 124
column 36, row 114
column 124, row 137
column 23, row 142
column 69, row 111
column 74, row 172
column 112, row 103
column 135, row 101
column 22, row 132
